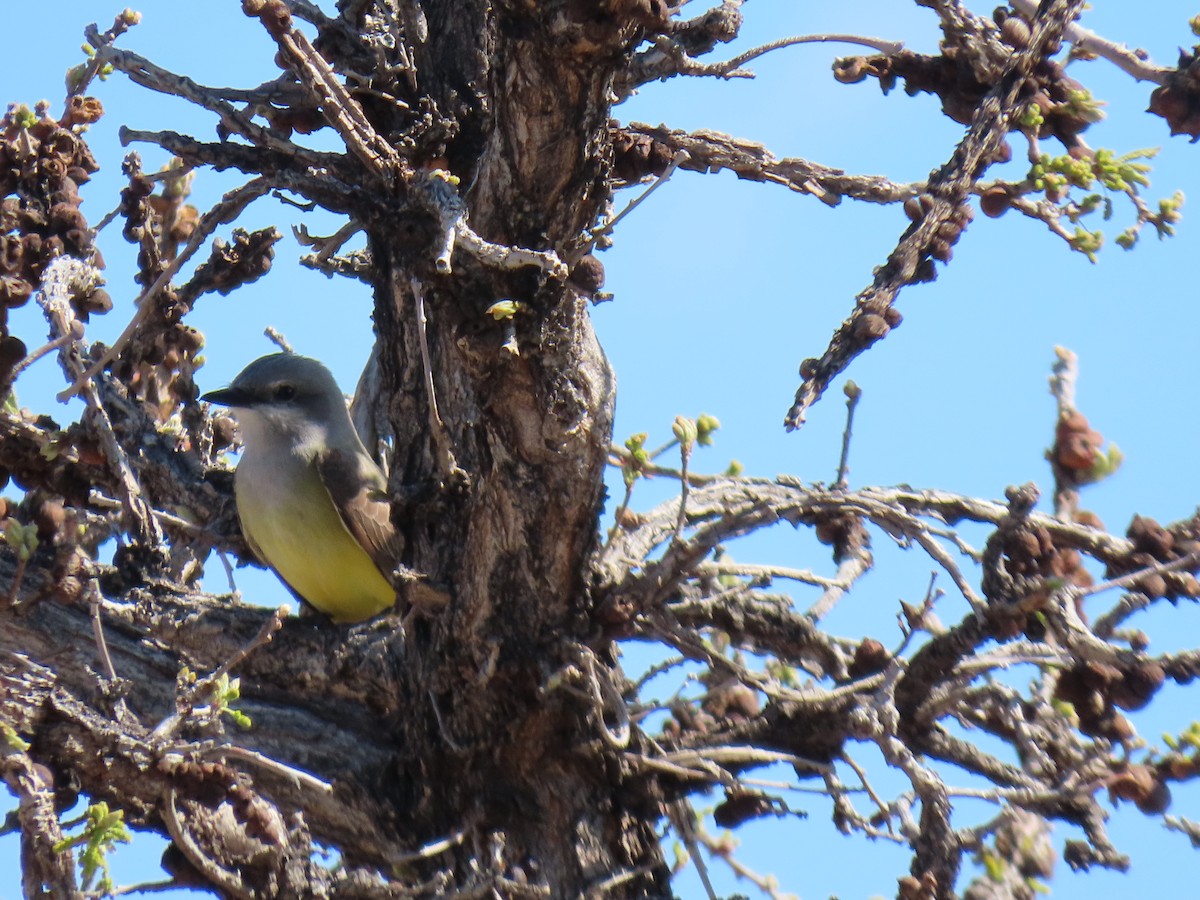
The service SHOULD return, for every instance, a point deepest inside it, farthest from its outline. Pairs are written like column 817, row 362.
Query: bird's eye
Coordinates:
column 285, row 392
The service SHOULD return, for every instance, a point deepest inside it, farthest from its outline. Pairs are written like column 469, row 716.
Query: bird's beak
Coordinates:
column 229, row 396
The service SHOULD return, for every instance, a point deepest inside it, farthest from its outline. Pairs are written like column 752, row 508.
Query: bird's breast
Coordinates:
column 289, row 515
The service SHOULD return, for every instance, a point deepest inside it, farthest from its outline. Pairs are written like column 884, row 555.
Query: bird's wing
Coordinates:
column 364, row 508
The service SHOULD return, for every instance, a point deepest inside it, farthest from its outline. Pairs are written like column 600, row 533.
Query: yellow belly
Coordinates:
column 302, row 537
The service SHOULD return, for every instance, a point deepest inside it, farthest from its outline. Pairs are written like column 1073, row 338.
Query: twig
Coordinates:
column 1062, row 386
column 849, row 571
column 445, row 457
column 296, row 776
column 1188, row 827
column 325, row 246
column 276, row 338
column 654, row 671
column 729, row 68
column 146, row 887
column 853, row 392
column 947, row 191
column 866, row 786
column 712, row 151
column 619, row 515
column 264, row 636
column 95, row 601
column 57, row 344
column 685, row 454
column 767, row 572
column 612, row 882
column 186, row 704
column 680, row 157
column 764, row 883
column 228, row 209
column 224, row 558
column 507, row 258
column 123, row 22
column 338, row 107
column 942, row 558
column 101, row 501
column 1186, row 562
column 683, row 817
column 430, row 850
column 14, row 589
column 1085, row 39
column 63, row 276
column 1062, row 382
column 145, row 73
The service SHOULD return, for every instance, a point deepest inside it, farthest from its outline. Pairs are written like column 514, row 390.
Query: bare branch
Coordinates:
column 709, row 151
column 946, row 210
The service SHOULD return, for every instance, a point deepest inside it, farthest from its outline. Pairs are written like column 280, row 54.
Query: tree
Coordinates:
column 485, row 739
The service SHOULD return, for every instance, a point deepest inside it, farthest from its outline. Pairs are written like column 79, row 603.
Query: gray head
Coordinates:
column 286, row 396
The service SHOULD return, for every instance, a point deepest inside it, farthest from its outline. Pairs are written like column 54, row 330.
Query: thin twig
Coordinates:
column 145, row 887
column 685, row 454
column 430, row 850
column 64, row 276
column 680, row 157
column 446, row 462
column 296, row 776
column 683, row 817
column 229, row 208
column 95, row 601
column 187, row 703
column 853, row 393
column 722, row 851
column 762, row 573
column 57, row 344
column 1131, row 61
column 729, row 68
column 264, row 636
column 277, row 338
column 101, row 501
column 1186, row 563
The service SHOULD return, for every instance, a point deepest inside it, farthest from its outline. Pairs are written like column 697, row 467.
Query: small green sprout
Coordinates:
column 1087, row 242
column 11, row 739
column 1031, row 118
column 1106, row 464
column 24, row 117
column 685, row 431
column 1082, row 105
column 705, row 426
column 102, row 829
column 22, row 538
column 503, row 310
column 633, row 465
column 225, row 691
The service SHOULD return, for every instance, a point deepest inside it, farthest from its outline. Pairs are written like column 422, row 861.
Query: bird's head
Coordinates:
column 285, row 396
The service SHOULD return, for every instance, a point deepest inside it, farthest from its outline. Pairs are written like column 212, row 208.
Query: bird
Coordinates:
column 312, row 503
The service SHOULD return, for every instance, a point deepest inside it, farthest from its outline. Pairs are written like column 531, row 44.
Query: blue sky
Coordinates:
column 722, row 287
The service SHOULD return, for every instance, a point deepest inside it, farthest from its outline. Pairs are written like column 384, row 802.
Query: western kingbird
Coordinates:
column 312, row 502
